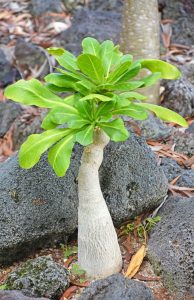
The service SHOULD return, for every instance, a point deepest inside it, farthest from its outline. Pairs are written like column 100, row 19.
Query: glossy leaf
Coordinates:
column 60, row 80
column 85, row 137
column 115, row 130
column 128, row 86
column 167, row 70
column 109, row 56
column 164, row 113
column 66, row 59
column 118, row 72
column 132, row 95
column 151, row 79
column 132, row 111
column 91, row 46
column 126, row 57
column 60, row 154
column 56, row 51
column 36, row 144
column 32, row 92
column 132, row 72
column 62, row 115
column 56, row 89
column 96, row 96
column 47, row 122
column 91, row 66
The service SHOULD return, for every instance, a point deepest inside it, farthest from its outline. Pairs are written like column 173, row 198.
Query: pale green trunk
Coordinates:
column 140, row 35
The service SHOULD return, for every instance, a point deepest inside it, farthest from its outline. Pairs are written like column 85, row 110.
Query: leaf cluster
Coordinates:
column 100, row 86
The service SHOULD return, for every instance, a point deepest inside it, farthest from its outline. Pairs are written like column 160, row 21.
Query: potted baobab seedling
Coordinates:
column 100, row 84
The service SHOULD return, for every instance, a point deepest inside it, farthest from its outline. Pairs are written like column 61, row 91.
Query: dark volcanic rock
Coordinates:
column 184, row 142
column 171, row 246
column 172, row 170
column 37, row 207
column 117, row 287
column 8, row 73
column 40, row 277
column 89, row 23
column 71, row 5
column 16, row 295
column 38, row 7
column 182, row 13
column 9, row 111
column 29, row 56
column 179, row 95
column 154, row 128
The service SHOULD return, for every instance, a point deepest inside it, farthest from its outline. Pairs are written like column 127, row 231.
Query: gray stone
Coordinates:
column 9, row 111
column 38, row 7
column 29, row 56
column 154, row 129
column 40, row 277
column 25, row 126
column 179, row 95
column 182, row 13
column 71, row 5
column 89, row 23
column 8, row 73
column 37, row 207
column 117, row 287
column 16, row 295
column 170, row 248
column 172, row 170
column 184, row 142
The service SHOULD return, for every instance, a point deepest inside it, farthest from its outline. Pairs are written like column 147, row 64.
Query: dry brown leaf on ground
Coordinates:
column 136, row 262
column 69, row 292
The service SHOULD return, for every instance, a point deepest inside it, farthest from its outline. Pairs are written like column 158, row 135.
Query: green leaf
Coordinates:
column 151, row 79
column 32, row 92
column 47, row 122
column 60, row 154
column 60, row 80
column 118, row 72
column 3, row 287
column 85, row 87
column 109, row 56
column 85, row 109
column 66, row 59
column 90, row 46
column 167, row 70
column 128, row 86
column 104, row 109
column 36, row 144
column 126, row 57
column 56, row 89
column 132, row 72
column 76, row 270
column 91, row 66
column 78, row 122
column 115, row 130
column 62, row 115
column 96, row 96
column 132, row 95
column 69, row 251
column 85, row 137
column 131, row 111
column 164, row 113
column 56, row 51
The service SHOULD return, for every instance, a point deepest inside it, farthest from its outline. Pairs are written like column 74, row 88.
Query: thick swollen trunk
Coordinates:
column 98, row 249
column 140, row 35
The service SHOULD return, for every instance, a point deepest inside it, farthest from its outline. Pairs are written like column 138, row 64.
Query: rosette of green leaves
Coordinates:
column 100, row 85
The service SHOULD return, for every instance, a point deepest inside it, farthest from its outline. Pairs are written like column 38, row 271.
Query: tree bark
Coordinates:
column 98, row 249
column 140, row 36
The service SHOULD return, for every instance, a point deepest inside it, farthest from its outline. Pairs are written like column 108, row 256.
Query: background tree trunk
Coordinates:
column 140, row 35
column 98, row 249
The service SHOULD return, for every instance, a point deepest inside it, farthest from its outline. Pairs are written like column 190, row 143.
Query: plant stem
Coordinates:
column 98, row 249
